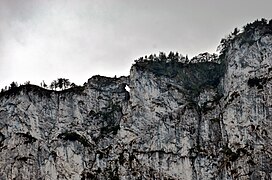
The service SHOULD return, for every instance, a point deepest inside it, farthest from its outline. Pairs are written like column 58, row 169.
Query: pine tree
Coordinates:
column 66, row 83
column 13, row 85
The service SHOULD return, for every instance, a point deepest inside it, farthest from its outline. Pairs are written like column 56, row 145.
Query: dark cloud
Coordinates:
column 47, row 39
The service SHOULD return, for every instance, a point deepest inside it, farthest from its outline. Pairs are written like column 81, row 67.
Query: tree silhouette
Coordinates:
column 27, row 83
column 66, row 83
column 73, row 85
column 171, row 55
column 13, row 85
column 54, row 85
column 235, row 31
column 44, row 85
column 60, row 83
column 177, row 57
column 151, row 57
column 162, row 56
column 186, row 59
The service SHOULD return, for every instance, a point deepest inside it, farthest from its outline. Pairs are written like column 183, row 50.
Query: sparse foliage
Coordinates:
column 54, row 85
column 66, row 83
column 178, row 58
column 162, row 56
column 73, row 85
column 43, row 84
column 61, row 83
column 13, row 85
column 205, row 57
column 245, row 36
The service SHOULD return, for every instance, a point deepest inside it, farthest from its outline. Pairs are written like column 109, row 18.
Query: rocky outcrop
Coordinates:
column 208, row 120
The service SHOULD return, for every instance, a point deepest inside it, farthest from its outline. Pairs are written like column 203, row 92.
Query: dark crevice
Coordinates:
column 29, row 138
column 2, row 139
column 257, row 82
column 73, row 136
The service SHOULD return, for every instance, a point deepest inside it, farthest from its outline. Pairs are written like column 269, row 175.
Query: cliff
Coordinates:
column 206, row 120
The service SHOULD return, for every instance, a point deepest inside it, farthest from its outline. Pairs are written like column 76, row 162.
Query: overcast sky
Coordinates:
column 76, row 39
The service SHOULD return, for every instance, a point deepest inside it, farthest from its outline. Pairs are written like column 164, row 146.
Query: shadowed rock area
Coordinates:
column 180, row 120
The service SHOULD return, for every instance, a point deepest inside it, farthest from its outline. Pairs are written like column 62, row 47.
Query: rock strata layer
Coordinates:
column 200, row 121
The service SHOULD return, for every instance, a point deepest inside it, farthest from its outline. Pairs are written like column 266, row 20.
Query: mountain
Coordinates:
column 179, row 120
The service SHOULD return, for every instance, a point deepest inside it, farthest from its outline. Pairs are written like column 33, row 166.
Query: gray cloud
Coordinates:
column 46, row 39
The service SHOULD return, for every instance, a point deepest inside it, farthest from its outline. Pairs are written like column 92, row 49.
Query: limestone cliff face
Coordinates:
column 197, row 121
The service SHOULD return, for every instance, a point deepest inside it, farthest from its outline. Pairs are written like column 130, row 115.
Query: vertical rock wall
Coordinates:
column 207, row 121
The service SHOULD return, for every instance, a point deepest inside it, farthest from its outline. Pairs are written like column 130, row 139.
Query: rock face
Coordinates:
column 197, row 121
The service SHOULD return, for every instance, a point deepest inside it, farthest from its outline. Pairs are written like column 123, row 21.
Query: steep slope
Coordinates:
column 179, row 121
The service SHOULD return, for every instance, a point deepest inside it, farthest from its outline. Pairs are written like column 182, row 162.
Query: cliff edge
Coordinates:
column 203, row 120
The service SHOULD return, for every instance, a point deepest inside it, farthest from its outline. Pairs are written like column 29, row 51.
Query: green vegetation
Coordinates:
column 63, row 84
column 9, row 90
column 193, row 76
column 204, row 70
column 245, row 36
column 60, row 83
column 177, row 58
column 12, row 86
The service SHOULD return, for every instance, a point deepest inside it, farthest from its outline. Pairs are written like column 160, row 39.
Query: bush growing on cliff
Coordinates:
column 27, row 83
column 204, row 70
column 61, row 83
column 54, row 85
column 13, row 85
column 173, row 58
column 151, row 58
column 246, row 35
column 205, row 57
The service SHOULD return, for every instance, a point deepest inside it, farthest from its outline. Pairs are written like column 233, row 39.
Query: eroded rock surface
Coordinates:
column 197, row 121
